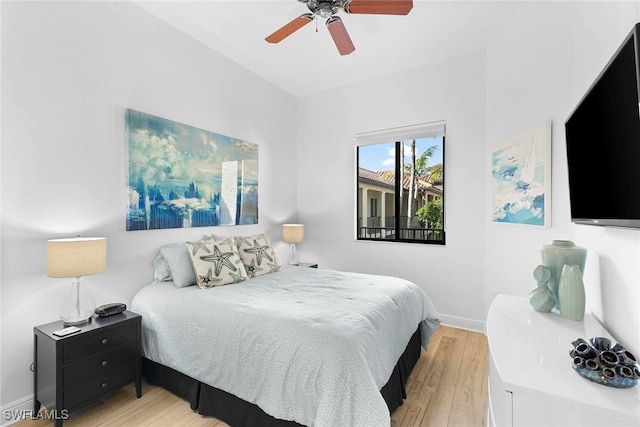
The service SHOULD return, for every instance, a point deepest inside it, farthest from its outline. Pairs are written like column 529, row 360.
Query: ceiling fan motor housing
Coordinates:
column 324, row 8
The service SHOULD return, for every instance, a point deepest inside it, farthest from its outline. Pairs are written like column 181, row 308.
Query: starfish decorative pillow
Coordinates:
column 257, row 255
column 216, row 263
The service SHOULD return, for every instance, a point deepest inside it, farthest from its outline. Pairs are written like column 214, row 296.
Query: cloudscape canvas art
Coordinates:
column 521, row 177
column 179, row 176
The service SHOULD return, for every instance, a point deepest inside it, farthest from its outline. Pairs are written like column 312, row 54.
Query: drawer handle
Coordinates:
column 104, row 363
column 103, row 385
column 104, row 341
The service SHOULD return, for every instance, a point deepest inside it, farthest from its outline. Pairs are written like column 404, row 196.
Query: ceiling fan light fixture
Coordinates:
column 324, row 8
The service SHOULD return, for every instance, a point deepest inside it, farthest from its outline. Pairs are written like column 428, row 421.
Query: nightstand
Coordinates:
column 81, row 369
column 308, row 264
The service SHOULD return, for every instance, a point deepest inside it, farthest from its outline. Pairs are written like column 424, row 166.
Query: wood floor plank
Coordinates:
column 443, row 376
column 448, row 387
column 466, row 407
column 431, row 383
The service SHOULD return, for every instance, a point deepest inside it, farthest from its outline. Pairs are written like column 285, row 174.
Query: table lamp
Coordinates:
column 293, row 233
column 76, row 257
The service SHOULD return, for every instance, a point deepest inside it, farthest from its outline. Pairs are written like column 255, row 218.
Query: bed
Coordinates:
column 297, row 346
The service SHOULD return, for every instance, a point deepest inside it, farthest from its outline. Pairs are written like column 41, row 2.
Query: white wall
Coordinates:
column 0, row 215
column 454, row 91
column 68, row 72
column 538, row 68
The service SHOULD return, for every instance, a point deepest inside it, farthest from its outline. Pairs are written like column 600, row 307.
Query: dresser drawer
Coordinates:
column 101, row 362
column 102, row 383
column 98, row 342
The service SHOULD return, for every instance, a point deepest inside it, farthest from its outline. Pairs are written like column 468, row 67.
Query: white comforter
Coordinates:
column 309, row 345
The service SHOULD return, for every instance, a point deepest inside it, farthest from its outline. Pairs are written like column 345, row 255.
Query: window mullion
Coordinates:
column 398, row 189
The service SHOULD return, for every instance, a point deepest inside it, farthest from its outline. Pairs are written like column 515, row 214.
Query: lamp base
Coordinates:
column 77, row 322
column 294, row 259
column 78, row 307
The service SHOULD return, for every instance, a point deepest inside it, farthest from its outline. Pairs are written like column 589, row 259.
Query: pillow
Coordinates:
column 257, row 255
column 216, row 262
column 177, row 258
column 215, row 237
column 161, row 271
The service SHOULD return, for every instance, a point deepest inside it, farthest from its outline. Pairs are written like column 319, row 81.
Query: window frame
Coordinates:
column 398, row 136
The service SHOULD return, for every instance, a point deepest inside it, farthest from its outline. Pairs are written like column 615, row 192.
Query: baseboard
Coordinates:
column 18, row 410
column 464, row 323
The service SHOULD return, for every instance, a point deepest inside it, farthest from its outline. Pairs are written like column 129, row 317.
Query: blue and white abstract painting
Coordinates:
column 521, row 176
column 179, row 176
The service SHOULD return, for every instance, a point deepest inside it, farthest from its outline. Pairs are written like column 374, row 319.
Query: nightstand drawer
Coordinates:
column 101, row 341
column 101, row 362
column 103, row 383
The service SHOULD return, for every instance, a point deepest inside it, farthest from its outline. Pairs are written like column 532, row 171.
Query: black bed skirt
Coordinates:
column 210, row 401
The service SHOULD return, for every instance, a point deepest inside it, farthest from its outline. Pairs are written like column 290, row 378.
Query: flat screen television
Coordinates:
column 603, row 144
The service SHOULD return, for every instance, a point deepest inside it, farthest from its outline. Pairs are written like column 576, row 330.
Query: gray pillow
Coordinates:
column 161, row 272
column 177, row 258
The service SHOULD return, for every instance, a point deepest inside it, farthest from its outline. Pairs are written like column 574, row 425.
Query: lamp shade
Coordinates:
column 76, row 257
column 292, row 233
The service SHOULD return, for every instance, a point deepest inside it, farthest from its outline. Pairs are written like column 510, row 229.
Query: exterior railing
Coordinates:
column 375, row 230
column 405, row 233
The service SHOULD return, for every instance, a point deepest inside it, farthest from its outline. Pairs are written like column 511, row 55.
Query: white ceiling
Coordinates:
column 308, row 62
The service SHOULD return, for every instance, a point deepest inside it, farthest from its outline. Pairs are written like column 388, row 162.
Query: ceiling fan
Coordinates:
column 329, row 8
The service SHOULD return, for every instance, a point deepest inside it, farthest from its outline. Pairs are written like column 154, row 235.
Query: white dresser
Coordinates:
column 531, row 382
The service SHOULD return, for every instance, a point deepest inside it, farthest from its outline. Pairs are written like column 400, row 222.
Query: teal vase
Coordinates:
column 571, row 293
column 555, row 256
column 540, row 297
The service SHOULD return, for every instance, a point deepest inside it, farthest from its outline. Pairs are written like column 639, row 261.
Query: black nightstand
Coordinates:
column 308, row 264
column 81, row 369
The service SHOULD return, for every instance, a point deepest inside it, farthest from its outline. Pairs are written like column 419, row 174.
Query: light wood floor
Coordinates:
column 448, row 387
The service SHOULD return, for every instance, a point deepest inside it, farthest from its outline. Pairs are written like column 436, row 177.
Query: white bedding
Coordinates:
column 309, row 345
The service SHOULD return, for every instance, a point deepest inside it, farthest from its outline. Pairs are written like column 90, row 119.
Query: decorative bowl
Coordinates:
column 601, row 361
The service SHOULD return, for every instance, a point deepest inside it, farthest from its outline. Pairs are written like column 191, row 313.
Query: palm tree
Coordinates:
column 416, row 169
column 413, row 186
column 435, row 173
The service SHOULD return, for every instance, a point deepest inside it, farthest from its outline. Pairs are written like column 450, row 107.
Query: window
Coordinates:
column 400, row 184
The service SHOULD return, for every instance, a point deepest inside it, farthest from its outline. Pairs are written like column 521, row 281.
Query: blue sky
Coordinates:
column 381, row 156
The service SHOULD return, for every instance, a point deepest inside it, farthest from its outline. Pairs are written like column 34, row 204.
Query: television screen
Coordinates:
column 603, row 145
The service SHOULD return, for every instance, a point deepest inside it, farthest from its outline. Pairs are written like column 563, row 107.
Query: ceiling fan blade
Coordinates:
column 290, row 28
column 379, row 7
column 340, row 36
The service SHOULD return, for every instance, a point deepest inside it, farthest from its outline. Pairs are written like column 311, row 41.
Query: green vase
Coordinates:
column 540, row 297
column 555, row 256
column 571, row 293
